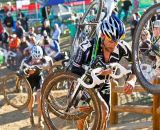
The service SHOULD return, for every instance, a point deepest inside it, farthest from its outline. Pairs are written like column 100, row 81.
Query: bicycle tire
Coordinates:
column 78, row 39
column 59, row 76
column 53, row 70
column 17, row 91
column 95, row 2
column 154, row 89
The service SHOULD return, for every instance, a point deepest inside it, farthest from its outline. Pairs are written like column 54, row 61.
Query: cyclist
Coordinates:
column 110, row 32
column 32, row 67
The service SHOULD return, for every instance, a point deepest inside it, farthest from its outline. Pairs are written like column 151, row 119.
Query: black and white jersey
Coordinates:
column 123, row 49
column 85, row 49
column 84, row 54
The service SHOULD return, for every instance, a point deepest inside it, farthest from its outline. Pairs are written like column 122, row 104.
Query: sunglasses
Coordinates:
column 106, row 39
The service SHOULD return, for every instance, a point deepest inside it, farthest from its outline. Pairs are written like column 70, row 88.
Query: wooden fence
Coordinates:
column 153, row 109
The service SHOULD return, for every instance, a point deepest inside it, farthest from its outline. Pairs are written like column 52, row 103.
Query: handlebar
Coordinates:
column 122, row 71
column 25, row 65
column 95, row 72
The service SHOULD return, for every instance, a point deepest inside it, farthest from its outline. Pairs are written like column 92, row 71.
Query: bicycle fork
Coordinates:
column 73, row 96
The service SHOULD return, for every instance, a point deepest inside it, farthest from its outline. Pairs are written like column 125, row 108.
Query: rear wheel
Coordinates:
column 55, row 100
column 87, row 25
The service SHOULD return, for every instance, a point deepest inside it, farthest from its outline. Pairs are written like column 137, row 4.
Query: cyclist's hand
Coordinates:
column 106, row 72
column 31, row 71
column 128, row 89
column 130, row 84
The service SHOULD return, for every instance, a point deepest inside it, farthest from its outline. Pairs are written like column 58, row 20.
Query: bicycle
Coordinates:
column 17, row 90
column 65, row 100
column 45, row 88
column 147, row 62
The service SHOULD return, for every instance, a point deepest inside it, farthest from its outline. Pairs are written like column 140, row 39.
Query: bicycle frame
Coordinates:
column 95, row 79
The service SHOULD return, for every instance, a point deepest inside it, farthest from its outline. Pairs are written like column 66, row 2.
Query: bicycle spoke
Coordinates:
column 146, row 51
column 57, row 96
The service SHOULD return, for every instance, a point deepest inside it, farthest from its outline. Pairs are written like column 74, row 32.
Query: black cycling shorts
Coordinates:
column 35, row 82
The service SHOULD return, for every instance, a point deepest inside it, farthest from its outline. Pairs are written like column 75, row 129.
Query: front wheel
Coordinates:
column 56, row 96
column 17, row 91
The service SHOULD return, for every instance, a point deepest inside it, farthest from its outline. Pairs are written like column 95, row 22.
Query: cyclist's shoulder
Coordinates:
column 124, row 46
column 124, row 43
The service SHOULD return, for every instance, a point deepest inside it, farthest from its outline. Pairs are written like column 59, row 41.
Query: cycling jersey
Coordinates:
column 35, row 79
column 84, row 53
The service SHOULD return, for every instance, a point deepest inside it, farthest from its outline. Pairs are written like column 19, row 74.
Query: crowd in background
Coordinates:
column 21, row 39
column 17, row 37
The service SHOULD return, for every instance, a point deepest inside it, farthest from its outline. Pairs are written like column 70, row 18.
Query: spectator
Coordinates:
column 145, row 40
column 46, row 27
column 120, row 5
column 72, row 28
column 4, row 38
column 125, row 8
column 8, row 7
column 8, row 22
column 19, row 30
column 156, row 46
column 32, row 42
column 156, row 35
column 21, row 17
column 31, row 33
column 23, row 46
column 134, row 21
column 56, row 33
column 1, row 26
column 136, row 6
column 14, row 43
column 45, row 12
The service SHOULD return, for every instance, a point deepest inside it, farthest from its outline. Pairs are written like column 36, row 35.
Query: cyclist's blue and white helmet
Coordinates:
column 37, row 52
column 112, row 27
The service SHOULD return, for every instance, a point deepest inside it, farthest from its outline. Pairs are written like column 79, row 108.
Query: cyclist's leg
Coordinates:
column 39, row 110
column 37, row 84
column 80, row 123
column 33, row 80
column 104, row 96
column 30, row 109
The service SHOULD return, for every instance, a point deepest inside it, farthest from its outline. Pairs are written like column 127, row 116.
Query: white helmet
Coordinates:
column 37, row 52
